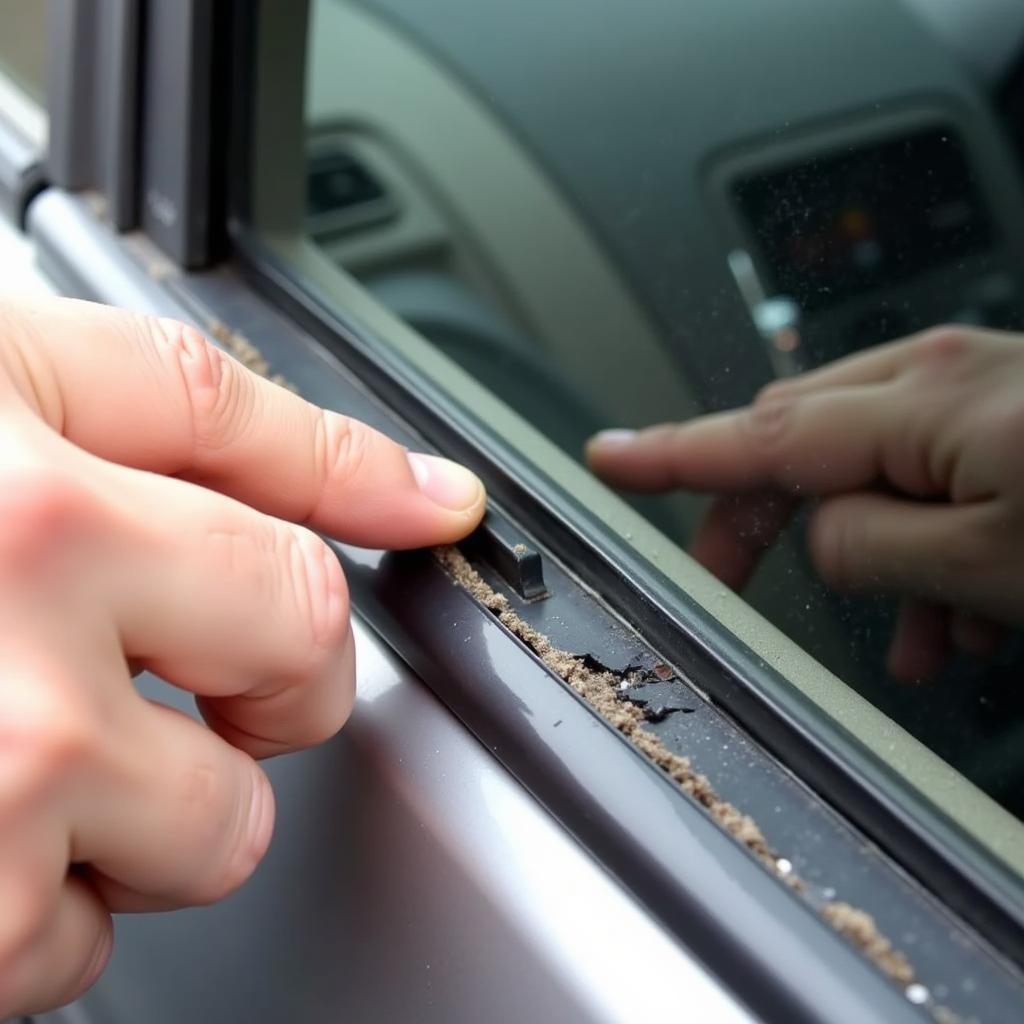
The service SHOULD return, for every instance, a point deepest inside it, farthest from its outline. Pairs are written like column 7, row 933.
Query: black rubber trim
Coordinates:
column 520, row 565
column 21, row 174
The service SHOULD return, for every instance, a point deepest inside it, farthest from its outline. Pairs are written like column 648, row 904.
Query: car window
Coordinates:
column 642, row 212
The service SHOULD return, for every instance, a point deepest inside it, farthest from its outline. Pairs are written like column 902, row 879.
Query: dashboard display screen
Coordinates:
column 830, row 228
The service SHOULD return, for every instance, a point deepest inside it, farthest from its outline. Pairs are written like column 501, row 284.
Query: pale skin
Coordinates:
column 911, row 455
column 149, row 491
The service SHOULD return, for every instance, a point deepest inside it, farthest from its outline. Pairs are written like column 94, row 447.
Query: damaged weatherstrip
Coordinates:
column 599, row 689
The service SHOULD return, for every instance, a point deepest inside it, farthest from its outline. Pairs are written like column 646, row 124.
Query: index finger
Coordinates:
column 156, row 395
column 814, row 444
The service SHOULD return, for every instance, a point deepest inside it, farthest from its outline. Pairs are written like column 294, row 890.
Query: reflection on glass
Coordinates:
column 630, row 213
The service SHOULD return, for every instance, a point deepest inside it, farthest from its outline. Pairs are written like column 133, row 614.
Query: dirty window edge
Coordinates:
column 934, row 779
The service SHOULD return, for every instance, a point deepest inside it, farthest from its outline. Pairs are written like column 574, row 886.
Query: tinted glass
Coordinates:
column 618, row 214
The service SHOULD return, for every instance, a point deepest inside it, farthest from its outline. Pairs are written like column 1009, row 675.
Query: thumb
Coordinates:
column 937, row 552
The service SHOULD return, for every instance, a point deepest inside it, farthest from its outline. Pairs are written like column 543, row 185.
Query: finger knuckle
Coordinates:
column 941, row 350
column 63, row 747
column 217, row 394
column 280, row 565
column 341, row 447
column 319, row 592
column 767, row 421
column 244, row 550
column 773, row 390
column 43, row 510
column 49, row 735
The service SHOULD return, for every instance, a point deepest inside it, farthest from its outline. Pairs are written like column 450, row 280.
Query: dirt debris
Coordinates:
column 599, row 689
column 860, row 928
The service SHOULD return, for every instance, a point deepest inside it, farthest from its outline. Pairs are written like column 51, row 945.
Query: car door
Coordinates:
column 584, row 781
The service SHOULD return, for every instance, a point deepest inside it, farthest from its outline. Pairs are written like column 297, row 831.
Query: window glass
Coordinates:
column 23, row 46
column 635, row 212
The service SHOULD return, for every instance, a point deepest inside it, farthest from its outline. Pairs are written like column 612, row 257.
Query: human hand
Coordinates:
column 110, row 556
column 912, row 452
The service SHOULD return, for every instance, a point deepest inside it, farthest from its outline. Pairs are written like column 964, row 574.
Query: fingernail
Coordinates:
column 444, row 482
column 612, row 438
